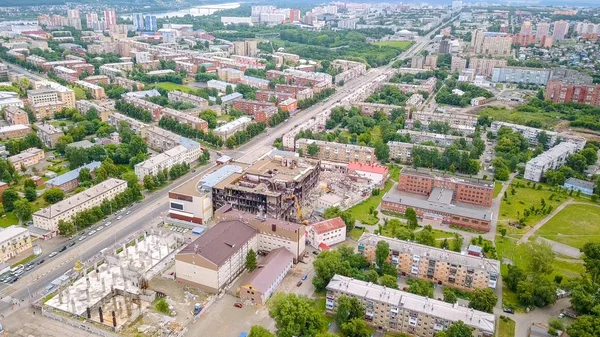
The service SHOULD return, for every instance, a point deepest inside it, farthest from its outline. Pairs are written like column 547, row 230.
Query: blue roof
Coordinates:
column 72, row 175
column 231, row 97
column 211, row 179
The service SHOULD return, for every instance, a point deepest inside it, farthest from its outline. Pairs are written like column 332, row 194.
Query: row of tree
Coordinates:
column 152, row 182
column 132, row 111
column 189, row 132
column 243, row 136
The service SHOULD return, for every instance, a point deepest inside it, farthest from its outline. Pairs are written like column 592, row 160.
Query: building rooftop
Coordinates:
column 433, row 253
column 10, row 232
column 79, row 198
column 580, row 183
column 24, row 154
column 84, row 144
column 73, row 174
column 445, row 176
column 48, row 128
column 371, row 168
column 269, row 269
column 162, row 157
column 328, row 225
column 550, row 155
column 143, row 93
column 233, row 124
column 438, row 205
column 221, row 241
column 334, row 144
column 16, row 127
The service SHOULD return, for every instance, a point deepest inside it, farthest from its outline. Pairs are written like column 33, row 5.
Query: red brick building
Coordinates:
column 566, row 86
column 252, row 107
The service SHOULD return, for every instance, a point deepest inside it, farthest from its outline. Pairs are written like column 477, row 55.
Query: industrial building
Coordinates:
column 437, row 265
column 400, row 311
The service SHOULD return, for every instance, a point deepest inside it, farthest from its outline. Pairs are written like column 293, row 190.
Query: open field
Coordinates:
column 548, row 119
column 361, row 211
column 401, row 45
column 574, row 225
column 513, row 207
column 507, row 328
column 497, row 188
column 173, row 86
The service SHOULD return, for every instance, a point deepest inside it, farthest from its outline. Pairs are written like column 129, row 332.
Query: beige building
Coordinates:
column 245, row 48
column 47, row 110
column 400, row 311
column 337, row 152
column 27, row 158
column 49, row 134
column 229, row 129
column 458, row 64
column 136, row 126
column 485, row 66
column 403, row 151
column 13, row 241
column 261, row 283
column 441, row 266
column 14, row 115
column 48, row 218
column 178, row 96
column 14, row 131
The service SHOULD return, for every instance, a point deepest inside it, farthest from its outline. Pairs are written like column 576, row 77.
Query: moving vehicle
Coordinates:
column 238, row 305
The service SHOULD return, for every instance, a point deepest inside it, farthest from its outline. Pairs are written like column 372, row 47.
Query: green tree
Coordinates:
column 295, row 316
column 356, row 328
column 449, row 296
column 149, row 183
column 85, row 175
column 411, row 217
column 591, row 258
column 251, row 260
column 65, row 228
column 162, row 306
column 312, row 149
column 371, row 276
column 259, row 331
column 382, row 151
column 30, row 193
column 9, row 197
column 54, row 195
column 426, row 237
column 459, row 329
column 539, row 258
column 388, row 281
column 347, row 309
column 23, row 210
column 483, row 300
column 420, row 287
column 29, row 183
column 513, row 277
column 585, row 326
column 382, row 251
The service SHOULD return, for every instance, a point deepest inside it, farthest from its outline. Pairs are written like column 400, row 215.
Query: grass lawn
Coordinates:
column 8, row 219
column 402, row 45
column 361, row 211
column 507, row 328
column 61, row 123
column 548, row 119
column 394, row 171
column 25, row 260
column 575, row 225
column 173, row 86
column 497, row 188
column 512, row 208
column 355, row 233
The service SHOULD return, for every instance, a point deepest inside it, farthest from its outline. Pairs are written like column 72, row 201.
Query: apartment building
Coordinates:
column 14, row 241
column 178, row 96
column 298, row 92
column 485, row 66
column 418, row 137
column 458, row 64
column 47, row 218
column 104, row 109
column 491, row 43
column 281, row 58
column 136, row 126
column 128, row 84
column 221, row 86
column 323, row 235
column 96, row 91
column 337, row 152
column 532, row 134
column 289, row 138
column 47, row 110
column 561, row 28
column 398, row 311
column 154, row 109
column 27, row 158
column 165, row 160
column 245, row 48
column 549, row 160
column 566, row 86
column 520, row 75
column 14, row 131
column 542, row 29
column 262, row 111
column 268, row 96
column 349, row 70
column 163, row 140
column 457, row 121
column 403, row 151
column 230, row 75
column 10, row 99
column 371, row 108
column 255, row 82
column 229, row 129
column 70, row 180
column 437, row 265
column 49, row 134
column 427, row 86
column 184, row 118
column 15, row 115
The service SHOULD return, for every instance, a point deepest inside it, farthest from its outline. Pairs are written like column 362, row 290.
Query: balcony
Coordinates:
column 413, row 321
column 369, row 315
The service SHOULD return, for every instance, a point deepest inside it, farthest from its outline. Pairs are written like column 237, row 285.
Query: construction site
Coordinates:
column 113, row 292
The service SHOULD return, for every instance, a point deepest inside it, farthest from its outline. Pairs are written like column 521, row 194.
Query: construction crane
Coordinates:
column 298, row 210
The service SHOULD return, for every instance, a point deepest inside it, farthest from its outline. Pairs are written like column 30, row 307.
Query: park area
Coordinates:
column 401, row 45
column 575, row 225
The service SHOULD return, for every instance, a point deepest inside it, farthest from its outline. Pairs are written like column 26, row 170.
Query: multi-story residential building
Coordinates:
column 49, row 134
column 184, row 118
column 230, row 75
column 484, row 66
column 455, row 120
column 178, row 96
column 14, row 116
column 282, row 58
column 521, row 75
column 371, row 108
column 549, row 160
column 298, row 92
column 128, row 84
column 229, row 129
column 70, row 180
column 14, row 131
column 14, row 241
column 163, row 140
column 458, row 64
column 561, row 28
column 47, row 218
column 96, row 91
column 323, row 235
column 10, row 99
column 337, row 152
column 255, row 82
column 403, row 312
column 220, row 85
column 542, row 29
column 403, row 151
column 350, row 70
column 110, row 18
column 418, row 137
column 136, row 126
column 437, row 265
column 491, row 43
column 104, row 109
column 41, row 96
column 165, row 160
column 533, row 134
column 245, row 48
column 27, row 158
column 262, row 111
column 289, row 138
column 428, row 86
column 566, row 85
column 154, row 109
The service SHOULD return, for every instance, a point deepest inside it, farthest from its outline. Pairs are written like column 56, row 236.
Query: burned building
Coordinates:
column 277, row 186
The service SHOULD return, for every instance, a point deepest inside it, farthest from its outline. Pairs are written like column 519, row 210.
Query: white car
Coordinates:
column 92, row 232
column 99, row 228
column 128, row 212
column 108, row 224
column 119, row 217
column 82, row 238
column 53, row 254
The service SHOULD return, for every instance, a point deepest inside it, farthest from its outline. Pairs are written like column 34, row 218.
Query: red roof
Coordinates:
column 371, row 168
column 323, row 246
column 328, row 225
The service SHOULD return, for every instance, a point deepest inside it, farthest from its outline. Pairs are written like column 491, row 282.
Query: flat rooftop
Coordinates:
column 433, row 204
column 450, row 177
column 194, row 186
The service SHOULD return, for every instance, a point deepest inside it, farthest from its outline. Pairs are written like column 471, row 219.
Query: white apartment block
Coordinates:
column 404, row 312
column 403, row 151
column 161, row 161
column 532, row 134
column 221, row 86
column 453, row 119
column 136, row 126
column 48, row 218
column 549, row 160
column 418, row 137
column 227, row 130
column 178, row 96
column 324, row 234
column 337, row 152
column 13, row 241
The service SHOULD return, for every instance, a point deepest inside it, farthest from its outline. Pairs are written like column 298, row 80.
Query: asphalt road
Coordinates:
column 148, row 212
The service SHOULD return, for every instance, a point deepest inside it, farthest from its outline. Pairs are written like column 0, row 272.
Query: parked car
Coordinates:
column 119, row 217
column 72, row 243
column 508, row 310
column 81, row 238
column 53, row 254
column 108, row 224
column 41, row 261
column 299, row 283
column 304, row 277
column 238, row 305
column 62, row 249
